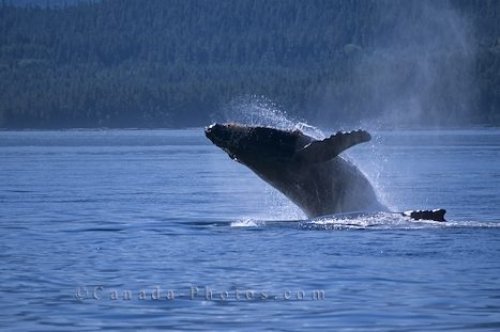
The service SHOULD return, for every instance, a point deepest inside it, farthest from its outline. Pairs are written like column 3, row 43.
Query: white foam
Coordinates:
column 247, row 223
column 386, row 220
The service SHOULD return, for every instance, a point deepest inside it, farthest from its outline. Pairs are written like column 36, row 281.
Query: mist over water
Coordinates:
column 418, row 71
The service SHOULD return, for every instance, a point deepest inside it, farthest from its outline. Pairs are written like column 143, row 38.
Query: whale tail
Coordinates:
column 435, row 215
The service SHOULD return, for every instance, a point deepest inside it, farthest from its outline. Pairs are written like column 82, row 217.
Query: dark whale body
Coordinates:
column 309, row 172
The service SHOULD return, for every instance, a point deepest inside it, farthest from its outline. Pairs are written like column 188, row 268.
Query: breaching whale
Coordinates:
column 309, row 172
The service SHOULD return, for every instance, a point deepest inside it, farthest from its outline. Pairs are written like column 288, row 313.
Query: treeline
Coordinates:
column 156, row 63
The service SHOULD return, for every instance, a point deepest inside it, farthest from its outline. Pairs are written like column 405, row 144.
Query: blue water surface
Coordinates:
column 158, row 229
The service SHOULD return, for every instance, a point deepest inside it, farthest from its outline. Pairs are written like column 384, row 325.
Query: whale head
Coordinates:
column 247, row 144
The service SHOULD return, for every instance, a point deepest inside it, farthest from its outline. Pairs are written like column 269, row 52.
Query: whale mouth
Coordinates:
column 211, row 131
column 218, row 134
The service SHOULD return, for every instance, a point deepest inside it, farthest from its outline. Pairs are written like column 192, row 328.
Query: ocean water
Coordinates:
column 160, row 230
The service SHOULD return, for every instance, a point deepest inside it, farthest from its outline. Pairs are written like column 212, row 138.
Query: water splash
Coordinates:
column 310, row 130
column 257, row 111
column 372, row 221
column 388, row 221
column 372, row 160
column 281, row 207
column 261, row 111
column 247, row 223
column 381, row 220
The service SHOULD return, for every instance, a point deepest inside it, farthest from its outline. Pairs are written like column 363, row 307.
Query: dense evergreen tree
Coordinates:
column 159, row 63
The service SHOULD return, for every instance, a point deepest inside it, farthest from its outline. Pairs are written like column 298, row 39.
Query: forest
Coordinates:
column 181, row 63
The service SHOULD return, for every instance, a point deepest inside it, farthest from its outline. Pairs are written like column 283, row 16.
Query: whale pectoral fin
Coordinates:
column 329, row 148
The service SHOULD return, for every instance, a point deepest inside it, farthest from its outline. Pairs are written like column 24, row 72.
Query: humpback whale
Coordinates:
column 310, row 172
